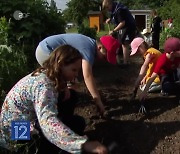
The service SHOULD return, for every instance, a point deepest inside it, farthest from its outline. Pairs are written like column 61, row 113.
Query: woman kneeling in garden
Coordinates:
column 37, row 98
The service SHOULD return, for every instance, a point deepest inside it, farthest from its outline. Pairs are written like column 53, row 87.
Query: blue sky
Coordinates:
column 61, row 4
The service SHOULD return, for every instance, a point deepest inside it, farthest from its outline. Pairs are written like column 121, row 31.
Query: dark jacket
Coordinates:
column 121, row 13
column 156, row 25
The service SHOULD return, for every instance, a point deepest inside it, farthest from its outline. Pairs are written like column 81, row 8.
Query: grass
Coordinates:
column 72, row 30
column 99, row 34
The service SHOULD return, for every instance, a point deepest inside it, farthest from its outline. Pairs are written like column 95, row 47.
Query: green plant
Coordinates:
column 4, row 27
column 166, row 12
column 25, row 34
column 13, row 65
column 91, row 32
column 13, row 62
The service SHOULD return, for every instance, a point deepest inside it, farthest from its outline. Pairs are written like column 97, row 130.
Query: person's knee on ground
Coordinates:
column 169, row 85
column 155, row 87
column 168, row 88
column 66, row 108
column 76, row 123
column 66, row 113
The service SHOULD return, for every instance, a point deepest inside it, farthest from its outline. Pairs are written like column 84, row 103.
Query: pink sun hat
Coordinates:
column 135, row 45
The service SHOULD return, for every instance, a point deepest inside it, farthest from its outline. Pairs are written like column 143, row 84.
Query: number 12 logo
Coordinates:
column 20, row 130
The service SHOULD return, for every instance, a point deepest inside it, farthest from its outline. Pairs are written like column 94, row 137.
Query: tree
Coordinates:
column 53, row 5
column 42, row 20
column 38, row 20
column 143, row 4
column 77, row 10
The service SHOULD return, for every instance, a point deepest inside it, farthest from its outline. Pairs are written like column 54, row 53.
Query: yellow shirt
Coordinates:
column 152, row 64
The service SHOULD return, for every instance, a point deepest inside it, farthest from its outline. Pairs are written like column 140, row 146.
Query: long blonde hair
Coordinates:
column 63, row 55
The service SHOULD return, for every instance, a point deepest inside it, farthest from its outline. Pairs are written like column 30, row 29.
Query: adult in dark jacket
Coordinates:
column 156, row 29
column 124, row 22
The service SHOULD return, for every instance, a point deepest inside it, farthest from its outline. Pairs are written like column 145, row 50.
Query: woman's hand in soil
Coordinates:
column 101, row 108
column 94, row 147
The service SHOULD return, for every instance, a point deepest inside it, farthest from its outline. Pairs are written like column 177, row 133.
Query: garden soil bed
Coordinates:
column 124, row 130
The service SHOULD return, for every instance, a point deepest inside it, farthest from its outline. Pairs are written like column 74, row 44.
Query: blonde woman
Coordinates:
column 125, row 25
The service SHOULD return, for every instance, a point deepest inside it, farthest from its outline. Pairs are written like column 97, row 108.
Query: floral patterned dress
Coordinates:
column 35, row 98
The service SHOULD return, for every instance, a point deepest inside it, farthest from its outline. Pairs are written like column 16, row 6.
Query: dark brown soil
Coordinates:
column 124, row 129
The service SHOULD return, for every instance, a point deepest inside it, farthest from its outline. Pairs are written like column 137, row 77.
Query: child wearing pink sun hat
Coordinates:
column 150, row 56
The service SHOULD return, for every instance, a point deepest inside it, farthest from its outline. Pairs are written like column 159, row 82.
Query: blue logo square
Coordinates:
column 20, row 130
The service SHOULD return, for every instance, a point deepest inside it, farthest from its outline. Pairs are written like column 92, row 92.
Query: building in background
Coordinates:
column 96, row 20
column 143, row 19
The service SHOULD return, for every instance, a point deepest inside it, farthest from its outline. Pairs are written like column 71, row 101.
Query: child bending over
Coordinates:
column 150, row 56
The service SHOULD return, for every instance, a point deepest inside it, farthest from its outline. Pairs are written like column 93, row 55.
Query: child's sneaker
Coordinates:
column 154, row 88
column 164, row 93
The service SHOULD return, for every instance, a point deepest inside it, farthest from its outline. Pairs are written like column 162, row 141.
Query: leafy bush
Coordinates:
column 13, row 65
column 4, row 27
column 170, row 9
column 91, row 32
column 170, row 32
column 13, row 62
column 42, row 21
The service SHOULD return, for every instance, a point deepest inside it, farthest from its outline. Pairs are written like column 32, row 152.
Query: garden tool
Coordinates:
column 142, row 108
